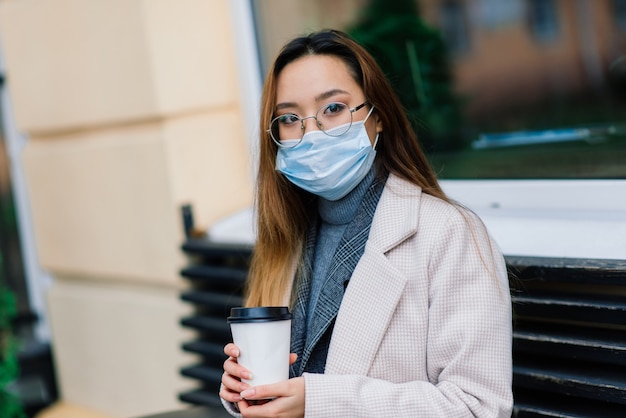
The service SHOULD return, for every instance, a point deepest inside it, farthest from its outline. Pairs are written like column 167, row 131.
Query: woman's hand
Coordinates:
column 232, row 386
column 288, row 402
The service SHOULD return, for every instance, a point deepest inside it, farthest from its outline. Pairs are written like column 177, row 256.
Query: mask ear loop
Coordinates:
column 377, row 133
column 368, row 114
column 375, row 141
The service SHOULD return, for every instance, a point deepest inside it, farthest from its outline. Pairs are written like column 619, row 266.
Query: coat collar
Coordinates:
column 396, row 217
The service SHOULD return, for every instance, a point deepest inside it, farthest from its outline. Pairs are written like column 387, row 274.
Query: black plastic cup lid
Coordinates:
column 259, row 314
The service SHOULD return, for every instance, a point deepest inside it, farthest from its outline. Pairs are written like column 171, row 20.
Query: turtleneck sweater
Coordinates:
column 334, row 217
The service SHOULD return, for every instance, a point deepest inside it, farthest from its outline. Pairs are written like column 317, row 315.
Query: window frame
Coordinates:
column 549, row 218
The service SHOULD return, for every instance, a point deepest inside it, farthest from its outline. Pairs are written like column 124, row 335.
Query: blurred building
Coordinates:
column 505, row 53
column 509, row 53
column 123, row 111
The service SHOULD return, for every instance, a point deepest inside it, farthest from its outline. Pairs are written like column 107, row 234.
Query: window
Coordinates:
column 537, row 113
column 454, row 26
column 543, row 19
column 543, row 143
column 497, row 14
column 619, row 14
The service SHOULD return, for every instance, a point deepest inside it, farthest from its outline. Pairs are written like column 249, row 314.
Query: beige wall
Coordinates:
column 131, row 109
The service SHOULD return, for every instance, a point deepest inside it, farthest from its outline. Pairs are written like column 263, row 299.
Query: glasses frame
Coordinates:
column 317, row 122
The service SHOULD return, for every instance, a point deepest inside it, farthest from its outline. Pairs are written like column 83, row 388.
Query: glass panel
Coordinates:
column 500, row 88
column 543, row 19
column 619, row 13
column 454, row 26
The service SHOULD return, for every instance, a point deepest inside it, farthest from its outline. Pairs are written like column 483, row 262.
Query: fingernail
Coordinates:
column 247, row 393
column 246, row 375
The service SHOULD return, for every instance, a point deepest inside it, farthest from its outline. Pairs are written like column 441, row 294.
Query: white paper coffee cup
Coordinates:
column 263, row 335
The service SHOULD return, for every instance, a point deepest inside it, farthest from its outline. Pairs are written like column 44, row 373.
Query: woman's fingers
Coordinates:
column 287, row 399
column 233, row 385
column 229, row 396
column 233, row 373
column 231, row 350
column 270, row 391
column 233, row 368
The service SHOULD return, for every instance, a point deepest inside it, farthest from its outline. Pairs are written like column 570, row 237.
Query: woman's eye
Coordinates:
column 334, row 108
column 288, row 119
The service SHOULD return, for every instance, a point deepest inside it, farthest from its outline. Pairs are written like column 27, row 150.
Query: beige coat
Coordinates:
column 424, row 327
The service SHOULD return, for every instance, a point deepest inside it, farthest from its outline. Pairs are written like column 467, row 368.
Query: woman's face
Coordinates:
column 312, row 81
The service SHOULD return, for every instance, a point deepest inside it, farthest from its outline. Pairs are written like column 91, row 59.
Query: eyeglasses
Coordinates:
column 334, row 119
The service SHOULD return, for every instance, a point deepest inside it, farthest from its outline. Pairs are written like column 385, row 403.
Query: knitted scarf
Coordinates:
column 312, row 347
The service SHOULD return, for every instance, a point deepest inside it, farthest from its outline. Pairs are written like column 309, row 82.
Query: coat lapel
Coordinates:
column 376, row 286
column 368, row 306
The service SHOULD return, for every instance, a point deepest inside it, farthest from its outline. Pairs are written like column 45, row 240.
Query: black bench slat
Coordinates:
column 206, row 349
column 217, row 327
column 212, row 299
column 221, row 275
column 533, row 403
column 570, row 346
column 569, row 270
column 206, row 248
column 571, row 309
column 205, row 373
column 592, row 381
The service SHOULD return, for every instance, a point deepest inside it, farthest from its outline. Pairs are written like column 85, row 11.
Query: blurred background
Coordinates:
column 120, row 117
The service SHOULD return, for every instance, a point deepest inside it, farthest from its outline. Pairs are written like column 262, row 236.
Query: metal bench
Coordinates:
column 217, row 274
column 569, row 340
column 569, row 329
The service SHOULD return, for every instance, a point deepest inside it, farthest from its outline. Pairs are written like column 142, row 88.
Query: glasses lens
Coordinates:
column 286, row 130
column 334, row 119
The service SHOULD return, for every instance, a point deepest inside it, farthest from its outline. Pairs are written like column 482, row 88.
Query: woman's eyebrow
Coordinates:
column 330, row 93
column 285, row 105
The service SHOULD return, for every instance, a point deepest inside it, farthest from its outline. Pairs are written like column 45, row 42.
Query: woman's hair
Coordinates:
column 284, row 212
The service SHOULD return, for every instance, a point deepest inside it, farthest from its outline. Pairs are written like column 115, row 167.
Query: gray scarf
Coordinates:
column 312, row 347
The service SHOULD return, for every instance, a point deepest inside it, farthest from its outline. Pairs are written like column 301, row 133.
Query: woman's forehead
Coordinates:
column 312, row 78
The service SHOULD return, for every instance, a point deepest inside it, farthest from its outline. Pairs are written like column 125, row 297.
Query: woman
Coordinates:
column 399, row 297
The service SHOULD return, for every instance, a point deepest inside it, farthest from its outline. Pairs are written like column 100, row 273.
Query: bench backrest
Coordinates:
column 569, row 329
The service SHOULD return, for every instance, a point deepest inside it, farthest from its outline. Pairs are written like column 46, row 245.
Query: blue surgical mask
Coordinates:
column 330, row 167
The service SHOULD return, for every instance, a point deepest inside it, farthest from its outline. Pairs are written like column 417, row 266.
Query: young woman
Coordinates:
column 400, row 299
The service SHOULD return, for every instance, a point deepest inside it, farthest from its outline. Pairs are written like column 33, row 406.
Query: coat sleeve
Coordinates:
column 231, row 409
column 469, row 364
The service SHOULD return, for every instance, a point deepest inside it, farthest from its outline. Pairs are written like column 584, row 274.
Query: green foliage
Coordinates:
column 415, row 60
column 9, row 405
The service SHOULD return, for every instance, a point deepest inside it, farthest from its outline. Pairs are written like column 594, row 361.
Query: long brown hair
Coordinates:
column 284, row 211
